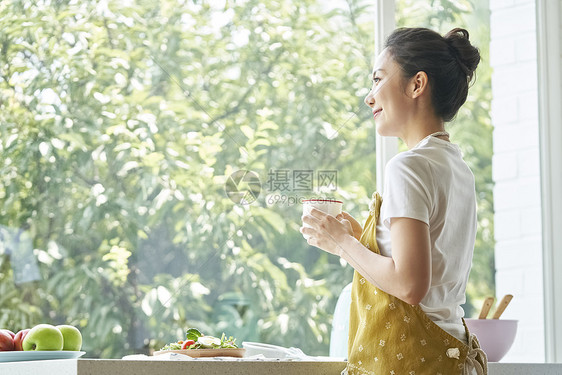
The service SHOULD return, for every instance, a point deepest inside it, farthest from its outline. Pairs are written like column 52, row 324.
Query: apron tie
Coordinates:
column 476, row 358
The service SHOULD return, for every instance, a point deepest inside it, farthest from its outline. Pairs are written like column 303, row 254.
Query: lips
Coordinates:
column 377, row 112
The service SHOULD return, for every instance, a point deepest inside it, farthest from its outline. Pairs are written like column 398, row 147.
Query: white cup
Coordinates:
column 330, row 206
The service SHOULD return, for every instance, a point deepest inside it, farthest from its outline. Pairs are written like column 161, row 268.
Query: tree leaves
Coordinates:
column 158, row 104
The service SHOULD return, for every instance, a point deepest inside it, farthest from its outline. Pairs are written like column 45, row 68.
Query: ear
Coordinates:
column 419, row 84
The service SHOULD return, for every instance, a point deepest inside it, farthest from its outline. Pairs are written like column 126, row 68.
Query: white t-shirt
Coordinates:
column 432, row 183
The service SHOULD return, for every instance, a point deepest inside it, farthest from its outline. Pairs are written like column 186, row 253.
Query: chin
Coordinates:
column 383, row 131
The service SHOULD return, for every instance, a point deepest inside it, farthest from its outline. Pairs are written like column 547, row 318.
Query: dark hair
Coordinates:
column 449, row 62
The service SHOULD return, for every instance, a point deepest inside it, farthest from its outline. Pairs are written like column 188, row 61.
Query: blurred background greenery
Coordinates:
column 121, row 122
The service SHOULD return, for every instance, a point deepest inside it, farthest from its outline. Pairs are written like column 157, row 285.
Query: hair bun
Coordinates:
column 466, row 54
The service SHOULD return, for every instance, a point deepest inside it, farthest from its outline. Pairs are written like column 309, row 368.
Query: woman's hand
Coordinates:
column 326, row 232
column 357, row 229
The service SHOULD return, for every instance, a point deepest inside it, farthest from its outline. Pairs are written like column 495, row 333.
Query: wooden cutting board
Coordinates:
column 198, row 353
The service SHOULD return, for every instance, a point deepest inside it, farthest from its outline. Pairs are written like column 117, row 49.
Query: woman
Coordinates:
column 413, row 257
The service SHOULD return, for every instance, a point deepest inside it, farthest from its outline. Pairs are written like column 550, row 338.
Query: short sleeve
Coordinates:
column 407, row 189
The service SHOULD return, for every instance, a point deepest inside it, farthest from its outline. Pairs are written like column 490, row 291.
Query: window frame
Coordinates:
column 385, row 22
column 550, row 149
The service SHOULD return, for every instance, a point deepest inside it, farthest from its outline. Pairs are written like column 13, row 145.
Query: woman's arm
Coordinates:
column 405, row 275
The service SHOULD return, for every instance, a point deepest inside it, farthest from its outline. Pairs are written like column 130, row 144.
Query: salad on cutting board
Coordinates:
column 196, row 344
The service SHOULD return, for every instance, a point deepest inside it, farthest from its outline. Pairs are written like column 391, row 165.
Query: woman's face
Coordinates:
column 388, row 97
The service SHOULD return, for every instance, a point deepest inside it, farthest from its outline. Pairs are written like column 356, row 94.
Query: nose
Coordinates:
column 370, row 99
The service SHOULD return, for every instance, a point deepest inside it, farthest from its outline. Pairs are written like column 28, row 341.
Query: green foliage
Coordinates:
column 121, row 122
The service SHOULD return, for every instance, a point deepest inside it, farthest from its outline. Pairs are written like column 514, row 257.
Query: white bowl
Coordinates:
column 268, row 350
column 495, row 335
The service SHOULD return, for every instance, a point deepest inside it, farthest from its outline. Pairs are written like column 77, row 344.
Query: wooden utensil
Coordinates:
column 486, row 306
column 502, row 305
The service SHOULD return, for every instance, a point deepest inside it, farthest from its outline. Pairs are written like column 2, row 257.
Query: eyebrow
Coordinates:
column 377, row 70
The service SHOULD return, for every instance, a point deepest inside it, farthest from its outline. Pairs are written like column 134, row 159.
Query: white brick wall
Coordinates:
column 516, row 173
column 517, row 194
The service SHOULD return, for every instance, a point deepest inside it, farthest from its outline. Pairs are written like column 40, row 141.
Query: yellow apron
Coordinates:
column 388, row 336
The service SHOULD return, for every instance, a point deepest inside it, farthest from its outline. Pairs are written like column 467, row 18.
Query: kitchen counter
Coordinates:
column 141, row 367
column 136, row 367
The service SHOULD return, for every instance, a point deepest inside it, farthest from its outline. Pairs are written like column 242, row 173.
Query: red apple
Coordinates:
column 10, row 332
column 18, row 339
column 6, row 340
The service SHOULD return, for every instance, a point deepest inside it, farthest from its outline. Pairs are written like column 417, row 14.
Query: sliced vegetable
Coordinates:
column 187, row 344
column 209, row 342
column 197, row 340
column 172, row 346
column 193, row 334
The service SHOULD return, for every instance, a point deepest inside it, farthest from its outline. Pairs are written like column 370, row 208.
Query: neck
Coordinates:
column 420, row 131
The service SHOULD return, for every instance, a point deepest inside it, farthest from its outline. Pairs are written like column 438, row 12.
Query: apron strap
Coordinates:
column 476, row 358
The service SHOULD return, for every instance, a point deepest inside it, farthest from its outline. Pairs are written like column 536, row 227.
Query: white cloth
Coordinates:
column 432, row 183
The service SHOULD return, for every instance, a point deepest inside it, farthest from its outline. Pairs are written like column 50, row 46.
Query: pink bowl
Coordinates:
column 495, row 335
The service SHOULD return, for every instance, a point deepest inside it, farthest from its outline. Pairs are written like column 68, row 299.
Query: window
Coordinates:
column 154, row 156
column 127, row 131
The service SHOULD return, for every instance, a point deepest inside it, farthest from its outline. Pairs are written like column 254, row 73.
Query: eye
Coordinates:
column 376, row 80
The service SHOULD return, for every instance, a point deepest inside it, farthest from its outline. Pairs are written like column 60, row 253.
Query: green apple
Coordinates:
column 43, row 337
column 72, row 337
